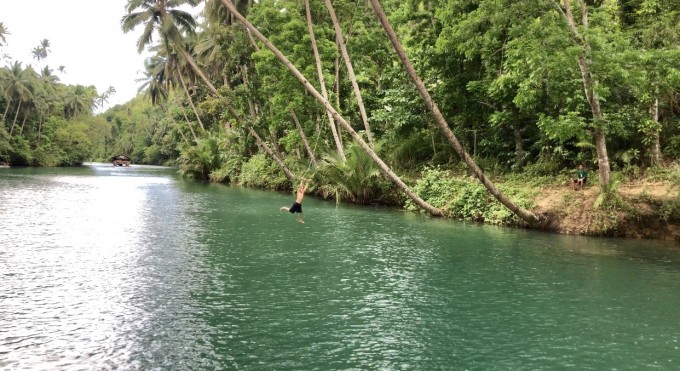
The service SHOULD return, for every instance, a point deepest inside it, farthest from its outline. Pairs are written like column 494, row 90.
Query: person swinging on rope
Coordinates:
column 297, row 205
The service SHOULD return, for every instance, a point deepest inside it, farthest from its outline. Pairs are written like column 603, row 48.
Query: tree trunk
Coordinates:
column 15, row 119
column 306, row 84
column 655, row 150
column 191, row 101
column 4, row 115
column 519, row 147
column 524, row 214
column 350, row 73
column 305, row 142
column 271, row 153
column 589, row 84
column 212, row 89
column 324, row 92
column 198, row 71
column 23, row 123
column 186, row 118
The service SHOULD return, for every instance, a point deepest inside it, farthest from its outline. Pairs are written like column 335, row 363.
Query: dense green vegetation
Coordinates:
column 525, row 88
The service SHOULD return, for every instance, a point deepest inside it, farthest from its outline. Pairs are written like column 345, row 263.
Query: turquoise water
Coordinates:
column 134, row 268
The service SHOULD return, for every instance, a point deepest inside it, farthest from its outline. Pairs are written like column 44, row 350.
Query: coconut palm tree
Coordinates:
column 171, row 24
column 154, row 80
column 3, row 32
column 41, row 51
column 79, row 99
column 19, row 89
column 322, row 83
column 386, row 170
column 524, row 214
column 350, row 72
column 104, row 97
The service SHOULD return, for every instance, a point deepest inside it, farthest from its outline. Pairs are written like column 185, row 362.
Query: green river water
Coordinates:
column 134, row 268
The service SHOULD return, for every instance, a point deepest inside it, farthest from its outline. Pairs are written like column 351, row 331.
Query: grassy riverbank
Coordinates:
column 640, row 204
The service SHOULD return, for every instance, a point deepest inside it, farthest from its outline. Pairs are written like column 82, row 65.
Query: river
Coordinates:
column 135, row 268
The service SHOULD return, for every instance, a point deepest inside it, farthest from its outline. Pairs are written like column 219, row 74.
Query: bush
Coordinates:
column 464, row 198
column 259, row 171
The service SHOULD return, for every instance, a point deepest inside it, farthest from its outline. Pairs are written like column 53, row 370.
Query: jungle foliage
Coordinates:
column 530, row 88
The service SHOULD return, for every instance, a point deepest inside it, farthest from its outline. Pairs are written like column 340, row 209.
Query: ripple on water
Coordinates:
column 179, row 275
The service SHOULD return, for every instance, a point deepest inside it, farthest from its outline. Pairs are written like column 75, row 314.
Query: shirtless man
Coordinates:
column 297, row 205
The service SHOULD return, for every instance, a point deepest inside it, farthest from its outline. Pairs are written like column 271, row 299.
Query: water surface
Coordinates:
column 135, row 268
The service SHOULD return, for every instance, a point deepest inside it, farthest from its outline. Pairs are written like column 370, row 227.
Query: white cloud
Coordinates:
column 85, row 37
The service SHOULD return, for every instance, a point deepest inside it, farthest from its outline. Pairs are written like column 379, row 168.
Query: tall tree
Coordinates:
column 18, row 89
column 350, row 72
column 170, row 23
column 322, row 83
column 579, row 31
column 524, row 214
column 319, row 98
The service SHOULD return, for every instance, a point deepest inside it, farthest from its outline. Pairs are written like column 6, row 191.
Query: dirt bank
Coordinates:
column 647, row 211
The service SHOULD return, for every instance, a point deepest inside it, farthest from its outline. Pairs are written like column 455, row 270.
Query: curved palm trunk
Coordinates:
column 271, row 153
column 213, row 90
column 524, row 214
column 4, row 115
column 191, row 101
column 305, row 142
column 324, row 92
column 350, row 72
column 16, row 115
column 193, row 133
column 308, row 86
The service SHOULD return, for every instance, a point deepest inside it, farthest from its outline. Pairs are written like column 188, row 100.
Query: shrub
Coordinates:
column 259, row 171
column 465, row 198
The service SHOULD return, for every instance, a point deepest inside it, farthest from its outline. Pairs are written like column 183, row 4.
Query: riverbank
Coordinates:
column 648, row 209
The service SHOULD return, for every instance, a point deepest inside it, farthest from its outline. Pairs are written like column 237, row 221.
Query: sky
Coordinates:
column 85, row 37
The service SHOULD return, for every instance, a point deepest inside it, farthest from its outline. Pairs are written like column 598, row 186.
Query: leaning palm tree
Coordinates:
column 350, row 72
column 153, row 80
column 19, row 89
column 524, row 214
column 384, row 168
column 322, row 83
column 171, row 24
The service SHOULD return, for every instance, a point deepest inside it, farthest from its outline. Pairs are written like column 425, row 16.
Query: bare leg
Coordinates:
column 283, row 208
column 300, row 219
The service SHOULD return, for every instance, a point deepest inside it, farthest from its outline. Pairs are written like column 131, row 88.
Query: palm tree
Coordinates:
column 40, row 52
column 350, row 72
column 3, row 31
column 154, row 82
column 19, row 89
column 104, row 97
column 524, row 214
column 171, row 24
column 79, row 99
column 176, row 70
column 322, row 84
column 308, row 86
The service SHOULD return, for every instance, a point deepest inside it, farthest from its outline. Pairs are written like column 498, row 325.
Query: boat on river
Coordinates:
column 121, row 160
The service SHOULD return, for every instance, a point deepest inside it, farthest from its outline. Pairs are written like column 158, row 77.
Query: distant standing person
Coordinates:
column 581, row 176
column 297, row 205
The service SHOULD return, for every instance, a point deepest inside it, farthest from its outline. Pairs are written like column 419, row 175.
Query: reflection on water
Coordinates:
column 133, row 268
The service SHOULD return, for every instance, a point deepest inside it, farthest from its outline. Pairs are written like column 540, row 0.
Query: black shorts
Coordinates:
column 296, row 208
